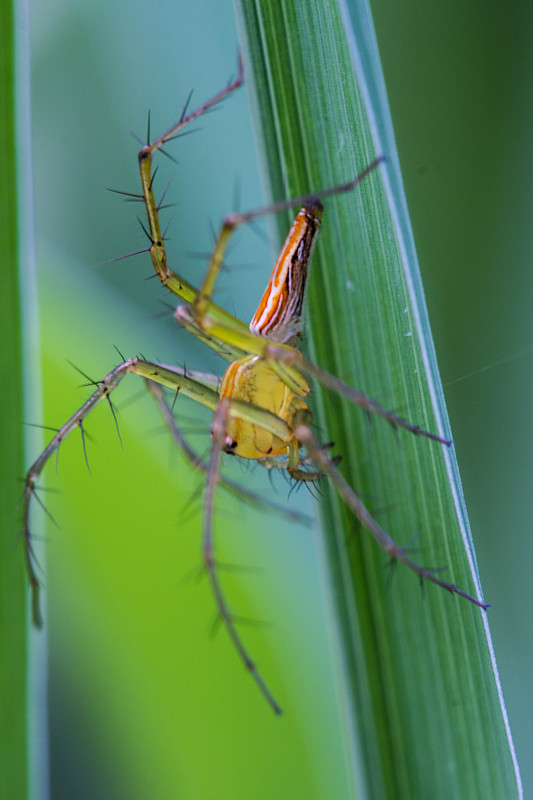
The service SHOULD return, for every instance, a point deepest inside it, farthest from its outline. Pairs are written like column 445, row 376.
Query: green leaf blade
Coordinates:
column 425, row 703
column 13, row 731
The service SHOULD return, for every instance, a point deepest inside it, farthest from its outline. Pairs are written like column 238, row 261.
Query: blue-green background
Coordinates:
column 144, row 703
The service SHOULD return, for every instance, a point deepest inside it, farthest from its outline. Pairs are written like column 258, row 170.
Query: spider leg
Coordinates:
column 359, row 398
column 352, row 500
column 174, row 377
column 174, row 282
column 208, row 551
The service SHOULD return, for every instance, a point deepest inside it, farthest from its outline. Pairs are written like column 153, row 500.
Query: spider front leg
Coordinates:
column 172, row 377
column 174, row 282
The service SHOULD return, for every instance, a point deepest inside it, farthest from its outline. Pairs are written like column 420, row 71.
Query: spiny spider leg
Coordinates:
column 172, row 377
column 356, row 397
column 219, row 428
column 170, row 279
column 352, row 500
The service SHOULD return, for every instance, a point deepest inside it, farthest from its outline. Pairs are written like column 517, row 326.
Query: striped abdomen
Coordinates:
column 279, row 313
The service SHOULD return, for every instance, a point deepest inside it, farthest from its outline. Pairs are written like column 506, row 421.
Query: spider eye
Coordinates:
column 230, row 446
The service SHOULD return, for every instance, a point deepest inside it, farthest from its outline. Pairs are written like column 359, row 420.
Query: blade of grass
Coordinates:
column 425, row 715
column 13, row 736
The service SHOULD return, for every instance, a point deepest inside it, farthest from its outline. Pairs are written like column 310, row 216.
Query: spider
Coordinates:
column 260, row 405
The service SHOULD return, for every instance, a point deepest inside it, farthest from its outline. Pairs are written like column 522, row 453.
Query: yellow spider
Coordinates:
column 260, row 405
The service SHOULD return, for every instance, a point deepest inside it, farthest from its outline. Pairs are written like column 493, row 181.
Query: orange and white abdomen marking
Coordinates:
column 279, row 313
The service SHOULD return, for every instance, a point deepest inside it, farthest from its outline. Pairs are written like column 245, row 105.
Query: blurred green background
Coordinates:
column 144, row 702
